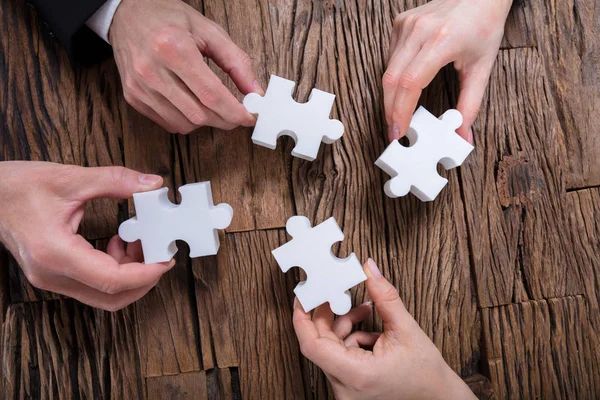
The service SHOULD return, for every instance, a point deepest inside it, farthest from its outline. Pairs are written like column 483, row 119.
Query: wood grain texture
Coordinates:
column 261, row 297
column 421, row 248
column 62, row 349
column 51, row 112
column 568, row 41
column 254, row 179
column 520, row 28
column 542, row 349
column 585, row 227
column 514, row 189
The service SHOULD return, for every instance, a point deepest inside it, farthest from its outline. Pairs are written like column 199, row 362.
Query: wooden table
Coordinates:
column 502, row 271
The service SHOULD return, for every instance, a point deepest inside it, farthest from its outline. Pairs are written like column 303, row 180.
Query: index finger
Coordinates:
column 417, row 75
column 100, row 271
column 331, row 356
column 207, row 87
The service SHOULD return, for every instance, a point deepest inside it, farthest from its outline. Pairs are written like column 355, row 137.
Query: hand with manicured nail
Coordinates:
column 41, row 206
column 159, row 47
column 403, row 363
column 425, row 39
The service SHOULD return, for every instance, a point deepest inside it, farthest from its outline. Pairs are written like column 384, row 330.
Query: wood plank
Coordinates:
column 62, row 349
column 514, row 190
column 20, row 288
column 52, row 112
column 568, row 42
column 542, row 349
column 178, row 387
column 585, row 228
column 421, row 248
column 262, row 296
column 520, row 28
column 253, row 178
column 167, row 323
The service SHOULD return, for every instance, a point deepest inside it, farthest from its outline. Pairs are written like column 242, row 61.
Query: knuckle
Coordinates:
column 408, row 81
column 119, row 174
column 307, row 350
column 391, row 294
column 110, row 286
column 441, row 34
column 166, row 42
column 113, row 307
column 420, row 24
column 389, row 80
column 208, row 97
column 197, row 118
column 143, row 69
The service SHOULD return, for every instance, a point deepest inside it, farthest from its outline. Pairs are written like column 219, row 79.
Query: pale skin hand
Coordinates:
column 425, row 39
column 41, row 206
column 159, row 47
column 403, row 362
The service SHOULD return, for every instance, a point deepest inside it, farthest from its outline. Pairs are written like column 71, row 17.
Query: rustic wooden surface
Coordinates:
column 502, row 271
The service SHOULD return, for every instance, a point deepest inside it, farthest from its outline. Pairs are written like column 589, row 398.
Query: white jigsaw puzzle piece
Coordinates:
column 329, row 278
column 159, row 223
column 279, row 114
column 432, row 141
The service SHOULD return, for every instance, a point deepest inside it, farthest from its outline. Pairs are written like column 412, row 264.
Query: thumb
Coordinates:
column 472, row 89
column 387, row 301
column 114, row 182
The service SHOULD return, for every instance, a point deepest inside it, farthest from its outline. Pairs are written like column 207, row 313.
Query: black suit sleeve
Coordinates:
column 66, row 21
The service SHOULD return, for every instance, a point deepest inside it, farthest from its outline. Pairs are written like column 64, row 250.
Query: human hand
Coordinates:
column 159, row 47
column 403, row 362
column 427, row 38
column 41, row 206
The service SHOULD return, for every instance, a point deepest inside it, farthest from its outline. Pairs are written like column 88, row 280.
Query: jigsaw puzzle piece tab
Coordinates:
column 159, row 223
column 329, row 277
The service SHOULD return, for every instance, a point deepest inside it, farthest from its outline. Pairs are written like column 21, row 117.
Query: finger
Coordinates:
column 417, row 75
column 386, row 299
column 134, row 252
column 81, row 262
column 187, row 103
column 116, row 248
column 229, row 57
column 207, row 87
column 472, row 90
column 343, row 325
column 169, row 112
column 328, row 354
column 362, row 339
column 92, row 297
column 111, row 182
column 149, row 113
column 323, row 318
column 400, row 59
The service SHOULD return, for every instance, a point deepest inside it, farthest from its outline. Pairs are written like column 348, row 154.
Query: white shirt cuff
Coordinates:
column 101, row 20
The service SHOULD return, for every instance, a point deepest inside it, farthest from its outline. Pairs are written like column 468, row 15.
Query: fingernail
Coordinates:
column 149, row 180
column 470, row 136
column 393, row 132
column 257, row 88
column 367, row 303
column 373, row 270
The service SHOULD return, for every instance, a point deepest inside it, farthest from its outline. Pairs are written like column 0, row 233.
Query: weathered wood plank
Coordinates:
column 585, row 228
column 52, row 112
column 520, row 28
column 178, row 387
column 20, row 288
column 253, row 178
column 62, row 349
column 568, row 41
column 514, row 191
column 262, row 299
column 421, row 248
column 542, row 349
